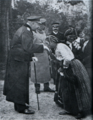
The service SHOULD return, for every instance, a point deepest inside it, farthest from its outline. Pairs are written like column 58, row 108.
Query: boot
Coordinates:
column 37, row 88
column 57, row 100
column 56, row 97
column 80, row 115
column 46, row 88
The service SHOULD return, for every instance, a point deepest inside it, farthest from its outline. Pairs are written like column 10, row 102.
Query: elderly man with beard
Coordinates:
column 16, row 86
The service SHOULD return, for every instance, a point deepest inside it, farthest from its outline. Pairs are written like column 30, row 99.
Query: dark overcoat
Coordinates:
column 16, row 86
column 54, row 65
column 86, row 58
column 60, row 36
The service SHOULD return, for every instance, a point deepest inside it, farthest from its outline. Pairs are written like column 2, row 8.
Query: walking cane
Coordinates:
column 36, row 83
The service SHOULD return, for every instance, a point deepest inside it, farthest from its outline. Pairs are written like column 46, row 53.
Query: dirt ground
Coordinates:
column 48, row 109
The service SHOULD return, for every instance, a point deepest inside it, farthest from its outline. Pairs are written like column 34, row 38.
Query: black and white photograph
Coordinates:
column 46, row 59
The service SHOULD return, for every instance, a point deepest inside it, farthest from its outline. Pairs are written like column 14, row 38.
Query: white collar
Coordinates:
column 55, row 32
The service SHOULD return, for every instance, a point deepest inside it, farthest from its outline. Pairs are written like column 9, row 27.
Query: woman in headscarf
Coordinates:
column 75, row 41
column 76, row 86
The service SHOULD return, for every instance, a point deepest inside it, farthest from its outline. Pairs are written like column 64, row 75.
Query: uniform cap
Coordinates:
column 33, row 18
column 55, row 22
column 42, row 20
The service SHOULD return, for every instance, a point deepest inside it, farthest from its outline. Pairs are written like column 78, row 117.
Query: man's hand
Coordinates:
column 35, row 59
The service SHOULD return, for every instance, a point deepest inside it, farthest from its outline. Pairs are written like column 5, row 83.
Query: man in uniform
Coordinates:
column 42, row 66
column 16, row 86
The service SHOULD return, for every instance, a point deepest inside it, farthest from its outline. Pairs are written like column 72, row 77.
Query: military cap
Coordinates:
column 55, row 22
column 33, row 18
column 42, row 20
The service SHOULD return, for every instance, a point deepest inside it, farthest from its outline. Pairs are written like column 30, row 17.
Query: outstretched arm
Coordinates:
column 28, row 46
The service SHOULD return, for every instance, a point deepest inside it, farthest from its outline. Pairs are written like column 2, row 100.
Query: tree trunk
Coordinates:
column 4, row 34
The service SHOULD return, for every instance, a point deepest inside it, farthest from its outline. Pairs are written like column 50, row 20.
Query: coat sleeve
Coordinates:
column 28, row 46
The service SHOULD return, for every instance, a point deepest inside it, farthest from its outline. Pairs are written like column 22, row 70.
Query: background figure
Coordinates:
column 61, row 39
column 70, row 35
column 42, row 66
column 55, row 32
column 16, row 86
column 80, row 46
column 74, row 41
column 87, row 57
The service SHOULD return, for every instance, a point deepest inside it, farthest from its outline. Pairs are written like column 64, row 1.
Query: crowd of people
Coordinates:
column 66, row 58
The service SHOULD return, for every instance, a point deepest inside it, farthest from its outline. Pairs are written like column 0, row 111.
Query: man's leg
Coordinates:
column 23, row 109
column 20, row 107
column 37, row 88
column 47, row 88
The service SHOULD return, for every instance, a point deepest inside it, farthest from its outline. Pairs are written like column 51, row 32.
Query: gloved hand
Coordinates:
column 35, row 59
column 76, row 45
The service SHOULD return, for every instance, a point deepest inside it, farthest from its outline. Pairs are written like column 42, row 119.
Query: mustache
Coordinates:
column 55, row 29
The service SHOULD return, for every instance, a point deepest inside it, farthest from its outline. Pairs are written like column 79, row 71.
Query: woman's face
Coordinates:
column 78, row 27
column 82, row 35
column 71, row 38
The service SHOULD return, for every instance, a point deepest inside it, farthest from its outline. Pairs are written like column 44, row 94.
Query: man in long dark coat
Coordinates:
column 16, row 86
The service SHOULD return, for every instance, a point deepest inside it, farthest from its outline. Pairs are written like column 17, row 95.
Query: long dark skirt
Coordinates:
column 76, row 89
column 83, row 87
column 68, row 96
column 16, row 86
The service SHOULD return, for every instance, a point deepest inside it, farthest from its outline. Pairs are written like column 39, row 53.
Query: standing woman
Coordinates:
column 42, row 66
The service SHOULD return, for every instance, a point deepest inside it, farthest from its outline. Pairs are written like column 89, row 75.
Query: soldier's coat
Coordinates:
column 42, row 66
column 16, row 86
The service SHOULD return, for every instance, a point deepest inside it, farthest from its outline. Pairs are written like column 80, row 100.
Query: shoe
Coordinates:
column 55, row 97
column 48, row 90
column 27, row 111
column 64, row 113
column 79, row 116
